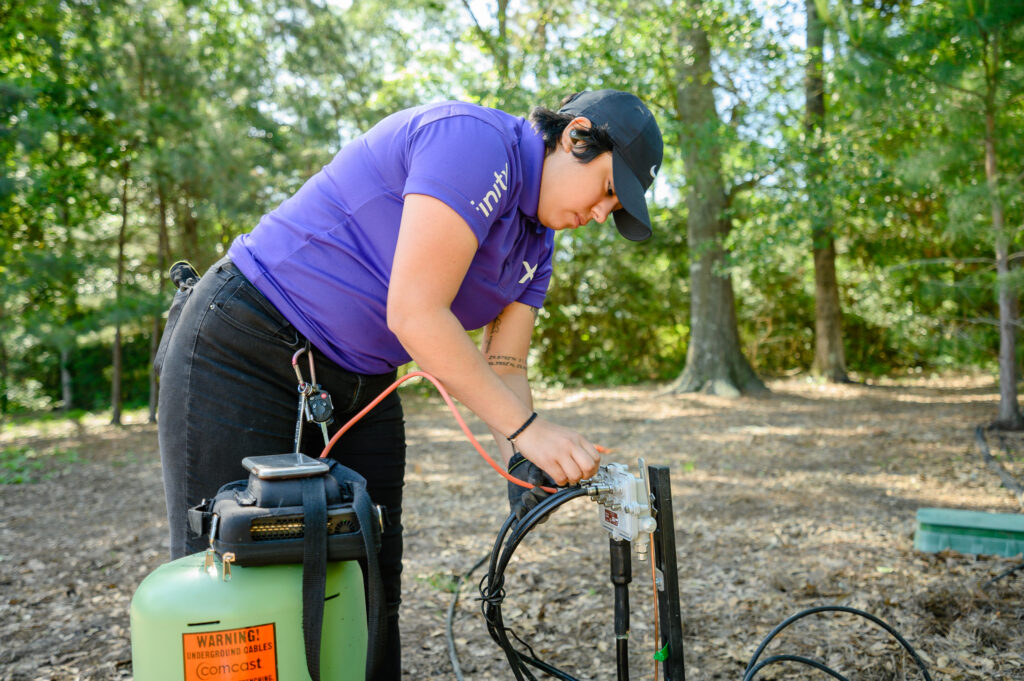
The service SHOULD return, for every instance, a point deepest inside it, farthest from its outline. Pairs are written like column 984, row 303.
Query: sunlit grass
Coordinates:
column 25, row 465
column 57, row 424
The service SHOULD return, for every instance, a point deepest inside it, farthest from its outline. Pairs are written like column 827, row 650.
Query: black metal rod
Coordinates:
column 665, row 562
column 622, row 575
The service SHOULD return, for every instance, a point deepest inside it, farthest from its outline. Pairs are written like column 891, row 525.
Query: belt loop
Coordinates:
column 225, row 264
column 360, row 388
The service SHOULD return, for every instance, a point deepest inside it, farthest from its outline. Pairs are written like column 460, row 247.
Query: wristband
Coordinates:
column 512, row 438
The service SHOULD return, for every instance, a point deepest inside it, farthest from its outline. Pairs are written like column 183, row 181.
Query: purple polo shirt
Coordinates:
column 324, row 256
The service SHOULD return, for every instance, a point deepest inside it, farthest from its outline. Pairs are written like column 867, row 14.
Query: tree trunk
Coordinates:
column 504, row 71
column 154, row 344
column 115, row 379
column 714, row 360
column 66, row 388
column 829, row 357
column 161, row 267
column 189, row 222
column 5, row 373
column 69, row 307
column 1009, row 307
column 68, row 310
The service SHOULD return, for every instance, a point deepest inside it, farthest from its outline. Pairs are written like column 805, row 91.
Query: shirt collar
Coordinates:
column 531, row 145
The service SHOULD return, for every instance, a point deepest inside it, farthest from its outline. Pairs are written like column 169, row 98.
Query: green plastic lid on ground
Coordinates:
column 978, row 532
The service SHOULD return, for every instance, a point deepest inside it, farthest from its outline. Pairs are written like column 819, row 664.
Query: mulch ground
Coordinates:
column 803, row 498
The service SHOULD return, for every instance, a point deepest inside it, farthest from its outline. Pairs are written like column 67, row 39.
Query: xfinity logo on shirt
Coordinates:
column 500, row 184
column 530, row 271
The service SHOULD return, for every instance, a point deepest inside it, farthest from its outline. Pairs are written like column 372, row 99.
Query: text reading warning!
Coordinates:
column 246, row 654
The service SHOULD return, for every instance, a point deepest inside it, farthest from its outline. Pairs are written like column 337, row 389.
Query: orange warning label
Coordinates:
column 246, row 654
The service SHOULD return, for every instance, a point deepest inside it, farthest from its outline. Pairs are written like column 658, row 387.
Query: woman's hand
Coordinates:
column 561, row 452
column 565, row 455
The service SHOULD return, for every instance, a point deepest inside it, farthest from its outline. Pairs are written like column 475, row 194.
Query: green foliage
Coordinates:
column 616, row 311
column 25, row 465
column 913, row 172
column 197, row 118
column 439, row 582
column 89, row 365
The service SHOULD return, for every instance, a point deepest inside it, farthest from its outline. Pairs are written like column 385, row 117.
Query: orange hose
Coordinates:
column 654, row 589
column 487, row 457
column 455, row 412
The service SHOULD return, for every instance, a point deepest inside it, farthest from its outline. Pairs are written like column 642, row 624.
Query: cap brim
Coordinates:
column 632, row 221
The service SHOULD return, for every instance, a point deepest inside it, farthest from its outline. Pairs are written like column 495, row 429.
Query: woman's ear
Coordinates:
column 570, row 135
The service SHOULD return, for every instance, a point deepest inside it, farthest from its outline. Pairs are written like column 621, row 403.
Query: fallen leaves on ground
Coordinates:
column 802, row 498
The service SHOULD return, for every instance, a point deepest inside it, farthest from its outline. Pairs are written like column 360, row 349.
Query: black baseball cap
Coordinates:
column 636, row 151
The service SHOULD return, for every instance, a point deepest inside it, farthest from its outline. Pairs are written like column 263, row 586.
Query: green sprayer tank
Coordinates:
column 189, row 623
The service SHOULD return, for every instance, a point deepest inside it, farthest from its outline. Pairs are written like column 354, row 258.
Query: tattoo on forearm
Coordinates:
column 536, row 311
column 507, row 361
column 491, row 333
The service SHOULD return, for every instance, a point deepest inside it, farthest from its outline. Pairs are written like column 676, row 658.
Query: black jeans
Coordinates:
column 228, row 390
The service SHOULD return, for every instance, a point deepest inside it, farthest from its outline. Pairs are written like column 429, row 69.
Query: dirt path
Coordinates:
column 804, row 498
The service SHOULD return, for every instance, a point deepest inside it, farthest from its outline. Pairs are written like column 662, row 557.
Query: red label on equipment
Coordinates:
column 246, row 654
column 611, row 517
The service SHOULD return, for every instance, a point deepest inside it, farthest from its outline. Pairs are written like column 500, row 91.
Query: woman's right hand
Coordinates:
column 565, row 455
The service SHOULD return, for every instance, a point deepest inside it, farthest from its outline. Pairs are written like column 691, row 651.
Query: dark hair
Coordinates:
column 551, row 124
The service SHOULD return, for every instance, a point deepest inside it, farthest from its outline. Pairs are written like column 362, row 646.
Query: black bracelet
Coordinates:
column 512, row 438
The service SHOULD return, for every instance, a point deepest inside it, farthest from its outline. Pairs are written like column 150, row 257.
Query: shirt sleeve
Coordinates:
column 463, row 162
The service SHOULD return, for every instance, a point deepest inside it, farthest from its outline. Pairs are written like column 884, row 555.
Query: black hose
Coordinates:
column 496, row 579
column 533, row 518
column 492, row 594
column 622, row 575
column 748, row 675
column 797, row 658
column 1005, row 573
column 452, row 654
column 492, row 586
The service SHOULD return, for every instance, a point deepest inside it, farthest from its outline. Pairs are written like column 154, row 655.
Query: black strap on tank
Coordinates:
column 375, row 606
column 314, row 569
column 314, row 574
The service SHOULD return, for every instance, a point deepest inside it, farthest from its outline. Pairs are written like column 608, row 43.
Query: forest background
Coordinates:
column 841, row 192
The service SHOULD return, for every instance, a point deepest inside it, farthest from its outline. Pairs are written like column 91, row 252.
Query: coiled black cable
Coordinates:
column 802, row 660
column 492, row 586
column 753, row 667
column 492, row 594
